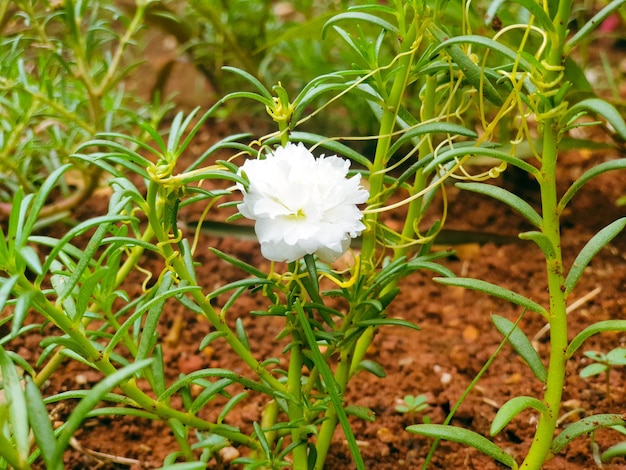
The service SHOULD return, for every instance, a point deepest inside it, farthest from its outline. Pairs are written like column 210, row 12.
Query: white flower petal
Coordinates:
column 302, row 205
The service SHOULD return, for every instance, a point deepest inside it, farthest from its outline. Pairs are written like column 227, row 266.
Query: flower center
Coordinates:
column 299, row 215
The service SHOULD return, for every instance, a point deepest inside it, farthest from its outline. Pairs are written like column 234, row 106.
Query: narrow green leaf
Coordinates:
column 253, row 81
column 332, row 145
column 84, row 294
column 208, row 394
column 522, row 346
column 208, row 339
column 361, row 412
column 226, row 142
column 473, row 73
column 158, row 371
column 22, row 307
column 592, row 24
column 31, row 258
column 373, row 368
column 149, row 334
column 185, row 380
column 619, row 164
column 181, row 433
column 227, row 408
column 592, row 369
column 243, row 283
column 174, row 143
column 19, row 208
column 305, row 101
column 597, row 106
column 420, row 264
column 584, row 426
column 617, row 450
column 8, row 453
column 593, row 246
column 511, row 409
column 241, row 334
column 389, row 322
column 599, row 327
column 91, row 401
column 130, row 321
column 239, row 264
column 63, row 245
column 6, row 288
column 356, row 16
column 489, row 44
column 331, row 384
column 40, row 424
column 541, row 240
column 492, row 289
column 262, row 438
column 184, row 466
column 464, row 436
column 18, row 410
column 119, row 411
column 311, row 283
column 42, row 196
column 430, row 128
column 507, row 197
column 459, row 151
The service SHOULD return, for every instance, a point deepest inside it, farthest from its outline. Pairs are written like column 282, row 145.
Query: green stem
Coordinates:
column 540, row 448
column 51, row 366
column 268, row 419
column 381, row 157
column 331, row 418
column 110, row 78
column 93, row 356
column 294, row 407
column 539, row 451
column 360, row 350
column 129, row 264
column 414, row 213
column 155, row 215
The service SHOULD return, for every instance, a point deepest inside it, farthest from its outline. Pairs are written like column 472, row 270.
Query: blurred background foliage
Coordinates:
column 73, row 68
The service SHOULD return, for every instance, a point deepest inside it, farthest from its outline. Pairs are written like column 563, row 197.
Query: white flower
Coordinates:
column 302, row 205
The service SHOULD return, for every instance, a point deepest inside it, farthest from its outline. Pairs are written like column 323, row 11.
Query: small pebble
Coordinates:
column 228, row 454
column 446, row 378
column 385, row 435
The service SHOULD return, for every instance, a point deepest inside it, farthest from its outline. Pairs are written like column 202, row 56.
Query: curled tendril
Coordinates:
column 356, row 273
column 284, row 279
column 144, row 284
column 168, row 260
column 556, row 112
column 548, row 87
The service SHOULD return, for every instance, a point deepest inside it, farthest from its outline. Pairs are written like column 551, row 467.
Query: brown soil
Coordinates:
column 455, row 341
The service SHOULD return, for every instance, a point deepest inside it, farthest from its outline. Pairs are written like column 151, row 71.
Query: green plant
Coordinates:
column 61, row 83
column 542, row 81
column 603, row 363
column 412, row 404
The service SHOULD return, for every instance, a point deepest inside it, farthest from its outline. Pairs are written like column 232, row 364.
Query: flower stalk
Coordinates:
column 539, row 451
